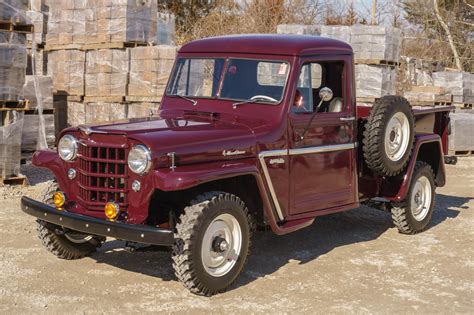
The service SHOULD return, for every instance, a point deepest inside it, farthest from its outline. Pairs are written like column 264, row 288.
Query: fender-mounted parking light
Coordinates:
column 59, row 199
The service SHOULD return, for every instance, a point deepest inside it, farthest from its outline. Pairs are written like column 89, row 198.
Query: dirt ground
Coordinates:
column 353, row 262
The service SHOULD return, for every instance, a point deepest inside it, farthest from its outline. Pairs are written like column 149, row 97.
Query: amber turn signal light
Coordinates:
column 111, row 210
column 59, row 200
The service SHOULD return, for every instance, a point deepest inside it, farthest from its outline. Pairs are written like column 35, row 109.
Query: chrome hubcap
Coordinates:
column 397, row 136
column 421, row 198
column 221, row 245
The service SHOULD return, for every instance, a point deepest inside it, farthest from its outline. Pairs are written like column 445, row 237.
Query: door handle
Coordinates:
column 347, row 118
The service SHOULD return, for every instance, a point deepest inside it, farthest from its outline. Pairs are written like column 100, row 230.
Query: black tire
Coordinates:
column 197, row 217
column 374, row 137
column 403, row 214
column 54, row 238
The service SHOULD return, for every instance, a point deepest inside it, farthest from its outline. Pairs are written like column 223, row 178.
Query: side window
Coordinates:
column 312, row 78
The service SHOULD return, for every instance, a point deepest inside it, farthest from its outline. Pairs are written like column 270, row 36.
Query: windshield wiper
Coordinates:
column 194, row 102
column 250, row 101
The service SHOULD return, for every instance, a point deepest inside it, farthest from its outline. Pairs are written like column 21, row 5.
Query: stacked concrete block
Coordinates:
column 67, row 67
column 101, row 21
column 460, row 84
column 39, row 21
column 368, row 41
column 428, row 94
column 11, row 126
column 13, row 63
column 107, row 72
column 376, row 42
column 142, row 109
column 299, row 29
column 150, row 68
column 31, row 130
column 76, row 113
column 375, row 81
column 14, row 11
column 37, row 62
column 104, row 112
column 39, row 91
column 462, row 125
column 165, row 32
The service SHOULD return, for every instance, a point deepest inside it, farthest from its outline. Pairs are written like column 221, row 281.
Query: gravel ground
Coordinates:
column 344, row 263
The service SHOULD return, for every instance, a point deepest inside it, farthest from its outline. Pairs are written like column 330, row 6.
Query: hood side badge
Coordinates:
column 172, row 155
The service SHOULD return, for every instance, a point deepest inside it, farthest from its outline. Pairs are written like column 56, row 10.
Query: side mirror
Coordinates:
column 325, row 94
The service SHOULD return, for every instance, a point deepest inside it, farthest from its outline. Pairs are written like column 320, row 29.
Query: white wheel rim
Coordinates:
column 219, row 261
column 421, row 198
column 397, row 136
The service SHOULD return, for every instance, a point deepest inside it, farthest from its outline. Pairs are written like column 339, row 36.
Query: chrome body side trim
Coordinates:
column 319, row 149
column 261, row 156
column 323, row 148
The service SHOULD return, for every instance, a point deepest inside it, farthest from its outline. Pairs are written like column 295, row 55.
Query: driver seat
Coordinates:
column 335, row 106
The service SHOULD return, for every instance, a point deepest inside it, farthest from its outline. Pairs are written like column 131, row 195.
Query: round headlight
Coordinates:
column 67, row 148
column 139, row 159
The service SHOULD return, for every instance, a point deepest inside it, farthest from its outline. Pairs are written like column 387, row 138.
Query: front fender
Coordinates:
column 188, row 176
column 50, row 159
column 428, row 148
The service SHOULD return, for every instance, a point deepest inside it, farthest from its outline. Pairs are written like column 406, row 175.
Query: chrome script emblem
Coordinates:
column 235, row 152
column 277, row 161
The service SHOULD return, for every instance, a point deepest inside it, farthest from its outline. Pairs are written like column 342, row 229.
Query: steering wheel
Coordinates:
column 264, row 97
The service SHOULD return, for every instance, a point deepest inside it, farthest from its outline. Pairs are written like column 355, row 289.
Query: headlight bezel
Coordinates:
column 73, row 155
column 146, row 158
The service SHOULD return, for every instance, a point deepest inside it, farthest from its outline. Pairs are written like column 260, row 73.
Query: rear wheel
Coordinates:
column 413, row 214
column 64, row 243
column 212, row 243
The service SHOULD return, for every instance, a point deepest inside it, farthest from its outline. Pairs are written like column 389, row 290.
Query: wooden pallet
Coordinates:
column 117, row 45
column 48, row 111
column 464, row 106
column 14, row 180
column 376, row 62
column 94, row 46
column 14, row 105
column 109, row 99
column 8, row 26
column 147, row 99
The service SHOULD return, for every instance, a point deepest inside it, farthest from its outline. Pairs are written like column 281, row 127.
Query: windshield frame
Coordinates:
column 227, row 60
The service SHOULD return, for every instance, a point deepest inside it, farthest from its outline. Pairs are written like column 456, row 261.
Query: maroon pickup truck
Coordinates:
column 252, row 130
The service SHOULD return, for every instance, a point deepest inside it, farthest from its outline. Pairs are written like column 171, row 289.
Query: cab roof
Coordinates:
column 268, row 44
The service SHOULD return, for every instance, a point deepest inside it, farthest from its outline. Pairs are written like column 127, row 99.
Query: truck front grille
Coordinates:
column 102, row 176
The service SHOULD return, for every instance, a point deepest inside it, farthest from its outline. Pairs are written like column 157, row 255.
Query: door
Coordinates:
column 321, row 140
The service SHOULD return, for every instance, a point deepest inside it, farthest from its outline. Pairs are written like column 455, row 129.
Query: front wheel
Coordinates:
column 65, row 244
column 413, row 214
column 212, row 243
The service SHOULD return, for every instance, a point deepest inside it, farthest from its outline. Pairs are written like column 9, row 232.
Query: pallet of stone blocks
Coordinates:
column 67, row 68
column 13, row 62
column 11, row 126
column 372, row 44
column 428, row 95
column 150, row 68
column 461, row 139
column 99, row 112
column 106, row 21
column 460, row 85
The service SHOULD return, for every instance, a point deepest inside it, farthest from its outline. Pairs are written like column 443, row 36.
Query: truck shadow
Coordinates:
column 271, row 252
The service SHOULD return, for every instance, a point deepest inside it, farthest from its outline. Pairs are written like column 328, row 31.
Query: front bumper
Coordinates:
column 129, row 232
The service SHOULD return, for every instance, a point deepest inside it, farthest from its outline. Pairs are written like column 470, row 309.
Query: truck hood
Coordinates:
column 193, row 139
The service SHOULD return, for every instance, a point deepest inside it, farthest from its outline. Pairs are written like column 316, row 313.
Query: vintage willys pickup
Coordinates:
column 252, row 130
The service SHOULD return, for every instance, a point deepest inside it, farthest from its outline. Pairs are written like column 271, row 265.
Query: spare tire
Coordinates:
column 389, row 135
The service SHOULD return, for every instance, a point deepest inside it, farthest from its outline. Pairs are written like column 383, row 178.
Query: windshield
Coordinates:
column 261, row 81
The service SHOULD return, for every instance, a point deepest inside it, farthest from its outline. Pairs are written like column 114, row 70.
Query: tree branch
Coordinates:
column 448, row 34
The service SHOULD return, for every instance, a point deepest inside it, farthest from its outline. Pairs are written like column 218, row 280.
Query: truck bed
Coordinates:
column 428, row 120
